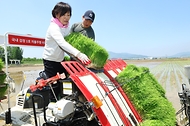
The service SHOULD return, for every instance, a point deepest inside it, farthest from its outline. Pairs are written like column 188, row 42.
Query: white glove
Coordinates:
column 83, row 58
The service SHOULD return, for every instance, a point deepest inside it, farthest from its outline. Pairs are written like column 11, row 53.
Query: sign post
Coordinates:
column 12, row 39
column 26, row 40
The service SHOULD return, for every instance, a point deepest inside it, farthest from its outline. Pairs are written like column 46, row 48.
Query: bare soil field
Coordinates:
column 18, row 68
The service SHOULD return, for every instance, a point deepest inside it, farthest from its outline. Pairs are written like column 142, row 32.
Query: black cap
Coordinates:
column 89, row 15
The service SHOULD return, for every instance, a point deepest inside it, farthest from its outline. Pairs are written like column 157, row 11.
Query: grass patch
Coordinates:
column 32, row 62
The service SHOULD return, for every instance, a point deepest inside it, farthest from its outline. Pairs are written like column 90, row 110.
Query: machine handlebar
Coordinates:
column 42, row 83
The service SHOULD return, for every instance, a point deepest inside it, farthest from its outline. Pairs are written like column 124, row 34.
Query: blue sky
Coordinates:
column 146, row 27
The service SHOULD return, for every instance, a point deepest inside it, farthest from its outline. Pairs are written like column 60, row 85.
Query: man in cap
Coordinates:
column 85, row 27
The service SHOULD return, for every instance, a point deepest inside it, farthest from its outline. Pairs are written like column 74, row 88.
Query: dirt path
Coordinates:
column 20, row 68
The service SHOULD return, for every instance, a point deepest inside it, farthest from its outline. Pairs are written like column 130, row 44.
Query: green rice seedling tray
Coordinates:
column 147, row 95
column 97, row 54
column 3, row 89
column 2, row 77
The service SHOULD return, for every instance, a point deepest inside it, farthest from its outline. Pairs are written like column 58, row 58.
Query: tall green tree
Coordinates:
column 12, row 53
column 15, row 53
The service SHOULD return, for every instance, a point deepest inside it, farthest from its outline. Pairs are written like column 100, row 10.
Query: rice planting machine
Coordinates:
column 184, row 96
column 89, row 98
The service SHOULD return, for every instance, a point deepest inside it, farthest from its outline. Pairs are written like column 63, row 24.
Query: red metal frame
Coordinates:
column 114, row 101
column 42, row 83
column 109, row 66
column 119, row 63
column 75, row 70
column 74, row 75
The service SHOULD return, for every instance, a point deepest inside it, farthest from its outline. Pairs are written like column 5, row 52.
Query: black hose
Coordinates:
column 34, row 109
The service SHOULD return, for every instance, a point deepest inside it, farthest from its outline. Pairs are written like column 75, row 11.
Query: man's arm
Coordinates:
column 91, row 33
column 72, row 28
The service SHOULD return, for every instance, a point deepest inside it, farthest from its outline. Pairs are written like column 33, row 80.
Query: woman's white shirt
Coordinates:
column 55, row 43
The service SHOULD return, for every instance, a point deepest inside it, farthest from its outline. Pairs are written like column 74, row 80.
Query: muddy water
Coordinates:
column 24, row 79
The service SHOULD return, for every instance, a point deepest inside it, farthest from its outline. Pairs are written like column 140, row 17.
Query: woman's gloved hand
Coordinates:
column 83, row 58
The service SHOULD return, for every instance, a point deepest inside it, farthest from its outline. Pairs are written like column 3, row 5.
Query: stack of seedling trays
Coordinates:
column 3, row 86
column 147, row 95
column 143, row 90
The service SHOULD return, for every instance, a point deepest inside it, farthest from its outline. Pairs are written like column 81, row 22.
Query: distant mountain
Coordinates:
column 125, row 55
column 136, row 56
column 182, row 54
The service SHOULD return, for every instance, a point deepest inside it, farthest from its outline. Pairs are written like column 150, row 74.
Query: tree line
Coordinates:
column 15, row 53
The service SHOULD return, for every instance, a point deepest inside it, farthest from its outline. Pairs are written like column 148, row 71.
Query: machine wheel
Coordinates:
column 45, row 124
column 93, row 123
column 85, row 123
column 79, row 120
column 50, row 124
column 80, row 123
